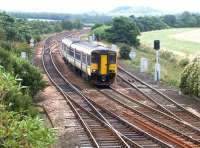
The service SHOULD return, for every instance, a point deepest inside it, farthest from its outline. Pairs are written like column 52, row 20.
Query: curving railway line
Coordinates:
column 103, row 128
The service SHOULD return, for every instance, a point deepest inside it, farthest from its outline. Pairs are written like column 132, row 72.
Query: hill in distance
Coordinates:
column 137, row 11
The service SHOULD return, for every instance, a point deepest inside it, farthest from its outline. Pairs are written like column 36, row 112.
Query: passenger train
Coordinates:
column 97, row 62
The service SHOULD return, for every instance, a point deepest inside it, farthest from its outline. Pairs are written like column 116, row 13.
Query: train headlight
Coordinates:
column 93, row 70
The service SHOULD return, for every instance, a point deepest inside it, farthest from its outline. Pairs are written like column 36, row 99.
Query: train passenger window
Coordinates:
column 67, row 49
column 88, row 59
column 94, row 58
column 112, row 58
column 84, row 58
column 71, row 52
column 78, row 55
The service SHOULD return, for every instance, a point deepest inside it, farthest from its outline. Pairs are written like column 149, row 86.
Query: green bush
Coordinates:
column 100, row 32
column 38, row 38
column 184, row 62
column 124, row 51
column 11, row 93
column 17, row 131
column 31, row 76
column 190, row 78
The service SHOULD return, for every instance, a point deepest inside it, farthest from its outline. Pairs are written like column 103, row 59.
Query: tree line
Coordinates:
column 149, row 23
column 15, row 34
column 85, row 18
column 126, row 29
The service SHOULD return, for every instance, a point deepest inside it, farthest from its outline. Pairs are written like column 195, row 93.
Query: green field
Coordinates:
column 182, row 41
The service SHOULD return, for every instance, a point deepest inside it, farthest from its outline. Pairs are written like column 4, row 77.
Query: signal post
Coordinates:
column 157, row 65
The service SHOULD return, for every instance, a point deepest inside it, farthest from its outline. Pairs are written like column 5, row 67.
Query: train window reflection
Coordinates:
column 112, row 58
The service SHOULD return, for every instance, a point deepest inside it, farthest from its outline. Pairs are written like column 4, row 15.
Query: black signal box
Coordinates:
column 156, row 44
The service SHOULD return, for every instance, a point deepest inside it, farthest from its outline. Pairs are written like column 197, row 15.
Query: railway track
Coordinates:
column 190, row 136
column 157, row 118
column 157, row 99
column 103, row 128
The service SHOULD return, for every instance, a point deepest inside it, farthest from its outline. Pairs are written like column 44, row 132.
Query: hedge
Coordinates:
column 190, row 78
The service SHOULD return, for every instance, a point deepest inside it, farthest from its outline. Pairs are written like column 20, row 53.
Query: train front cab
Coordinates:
column 103, row 67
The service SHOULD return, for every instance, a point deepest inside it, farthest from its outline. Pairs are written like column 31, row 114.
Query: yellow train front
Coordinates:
column 97, row 62
column 103, row 66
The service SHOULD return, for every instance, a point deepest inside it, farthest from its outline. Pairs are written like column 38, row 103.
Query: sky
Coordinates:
column 79, row 6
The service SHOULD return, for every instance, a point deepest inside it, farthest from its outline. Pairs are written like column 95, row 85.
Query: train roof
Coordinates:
column 85, row 46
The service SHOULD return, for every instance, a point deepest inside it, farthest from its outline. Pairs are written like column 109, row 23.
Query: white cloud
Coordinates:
column 76, row 6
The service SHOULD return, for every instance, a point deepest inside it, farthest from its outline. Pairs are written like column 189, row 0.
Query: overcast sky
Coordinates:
column 79, row 6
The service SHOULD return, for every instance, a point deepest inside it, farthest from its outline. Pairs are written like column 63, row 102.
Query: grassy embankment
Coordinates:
column 183, row 43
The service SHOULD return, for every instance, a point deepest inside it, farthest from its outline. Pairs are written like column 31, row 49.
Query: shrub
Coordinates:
column 17, row 131
column 31, row 76
column 124, row 51
column 100, row 32
column 184, row 62
column 11, row 94
column 190, row 78
column 38, row 38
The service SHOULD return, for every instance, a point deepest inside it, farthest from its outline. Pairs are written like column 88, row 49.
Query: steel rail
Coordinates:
column 87, row 129
column 155, row 139
column 91, row 105
column 158, row 92
column 155, row 120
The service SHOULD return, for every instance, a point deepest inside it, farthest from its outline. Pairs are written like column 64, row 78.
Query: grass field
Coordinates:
column 182, row 41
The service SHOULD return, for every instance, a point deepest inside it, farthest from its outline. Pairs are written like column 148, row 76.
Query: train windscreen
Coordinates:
column 112, row 58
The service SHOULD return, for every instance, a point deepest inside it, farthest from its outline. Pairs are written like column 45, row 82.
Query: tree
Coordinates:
column 170, row 20
column 123, row 30
column 77, row 24
column 148, row 23
column 124, row 51
column 67, row 25
column 187, row 20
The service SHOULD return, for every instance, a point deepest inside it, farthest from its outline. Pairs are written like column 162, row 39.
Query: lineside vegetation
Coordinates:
column 20, row 81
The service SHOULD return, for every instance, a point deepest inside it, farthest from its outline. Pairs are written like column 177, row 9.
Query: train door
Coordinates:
column 104, row 63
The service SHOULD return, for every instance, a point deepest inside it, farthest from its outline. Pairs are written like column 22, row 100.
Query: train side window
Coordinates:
column 88, row 60
column 94, row 58
column 112, row 58
column 84, row 58
column 71, row 52
column 78, row 55
column 67, row 49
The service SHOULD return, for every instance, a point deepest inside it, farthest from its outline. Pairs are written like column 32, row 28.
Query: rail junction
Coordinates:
column 130, row 113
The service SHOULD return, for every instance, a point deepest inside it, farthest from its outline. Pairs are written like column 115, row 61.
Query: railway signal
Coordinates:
column 157, row 65
column 132, row 54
